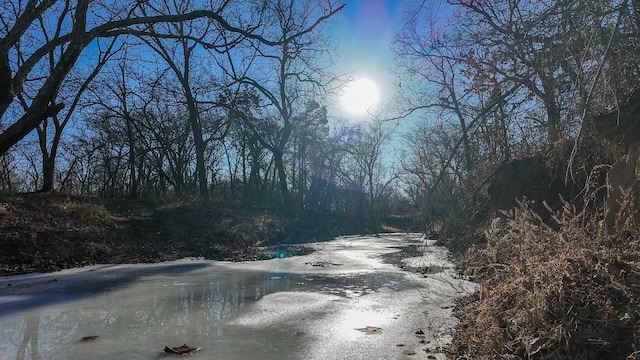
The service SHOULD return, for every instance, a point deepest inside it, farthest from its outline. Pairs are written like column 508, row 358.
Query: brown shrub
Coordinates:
column 569, row 290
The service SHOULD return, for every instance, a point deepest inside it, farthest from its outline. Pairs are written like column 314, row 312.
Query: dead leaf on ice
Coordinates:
column 181, row 350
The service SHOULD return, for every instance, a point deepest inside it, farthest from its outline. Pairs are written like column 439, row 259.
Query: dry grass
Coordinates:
column 41, row 232
column 567, row 290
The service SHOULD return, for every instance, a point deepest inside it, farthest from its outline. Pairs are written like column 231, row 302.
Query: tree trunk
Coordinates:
column 39, row 110
column 282, row 178
column 48, row 171
column 200, row 149
column 49, row 157
column 133, row 181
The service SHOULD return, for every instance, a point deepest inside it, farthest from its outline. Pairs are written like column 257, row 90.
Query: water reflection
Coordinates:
column 136, row 320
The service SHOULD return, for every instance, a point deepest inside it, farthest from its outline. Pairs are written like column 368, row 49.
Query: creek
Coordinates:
column 361, row 297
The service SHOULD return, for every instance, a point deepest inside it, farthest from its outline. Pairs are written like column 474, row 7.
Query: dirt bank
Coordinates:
column 48, row 232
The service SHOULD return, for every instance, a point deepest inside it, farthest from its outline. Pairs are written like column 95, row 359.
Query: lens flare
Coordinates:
column 359, row 96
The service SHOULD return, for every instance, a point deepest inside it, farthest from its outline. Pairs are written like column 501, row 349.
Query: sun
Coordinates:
column 359, row 96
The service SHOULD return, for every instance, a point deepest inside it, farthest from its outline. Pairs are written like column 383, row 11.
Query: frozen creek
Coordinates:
column 351, row 299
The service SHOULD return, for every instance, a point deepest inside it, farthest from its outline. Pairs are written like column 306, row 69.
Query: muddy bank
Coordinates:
column 49, row 232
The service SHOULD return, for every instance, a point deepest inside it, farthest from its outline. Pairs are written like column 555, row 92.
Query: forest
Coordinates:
column 513, row 137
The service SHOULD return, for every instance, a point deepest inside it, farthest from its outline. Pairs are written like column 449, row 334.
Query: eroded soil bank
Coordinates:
column 49, row 232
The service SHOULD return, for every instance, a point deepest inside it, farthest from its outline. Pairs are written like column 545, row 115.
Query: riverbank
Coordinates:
column 49, row 232
column 565, row 289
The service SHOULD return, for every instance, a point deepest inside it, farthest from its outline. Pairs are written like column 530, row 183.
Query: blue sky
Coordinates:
column 364, row 31
column 370, row 28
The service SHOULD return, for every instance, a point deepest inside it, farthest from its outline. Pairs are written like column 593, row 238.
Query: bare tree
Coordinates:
column 8, row 173
column 369, row 168
column 179, row 55
column 49, row 146
column 552, row 52
column 294, row 75
column 84, row 22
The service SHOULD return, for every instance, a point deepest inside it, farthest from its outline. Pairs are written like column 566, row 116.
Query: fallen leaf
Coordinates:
column 181, row 350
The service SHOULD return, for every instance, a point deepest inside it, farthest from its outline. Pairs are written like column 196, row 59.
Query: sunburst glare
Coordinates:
column 359, row 96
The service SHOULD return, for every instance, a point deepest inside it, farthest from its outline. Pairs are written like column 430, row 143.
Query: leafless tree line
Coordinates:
column 155, row 99
column 500, row 80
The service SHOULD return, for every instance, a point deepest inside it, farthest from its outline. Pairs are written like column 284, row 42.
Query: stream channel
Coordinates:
column 388, row 296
